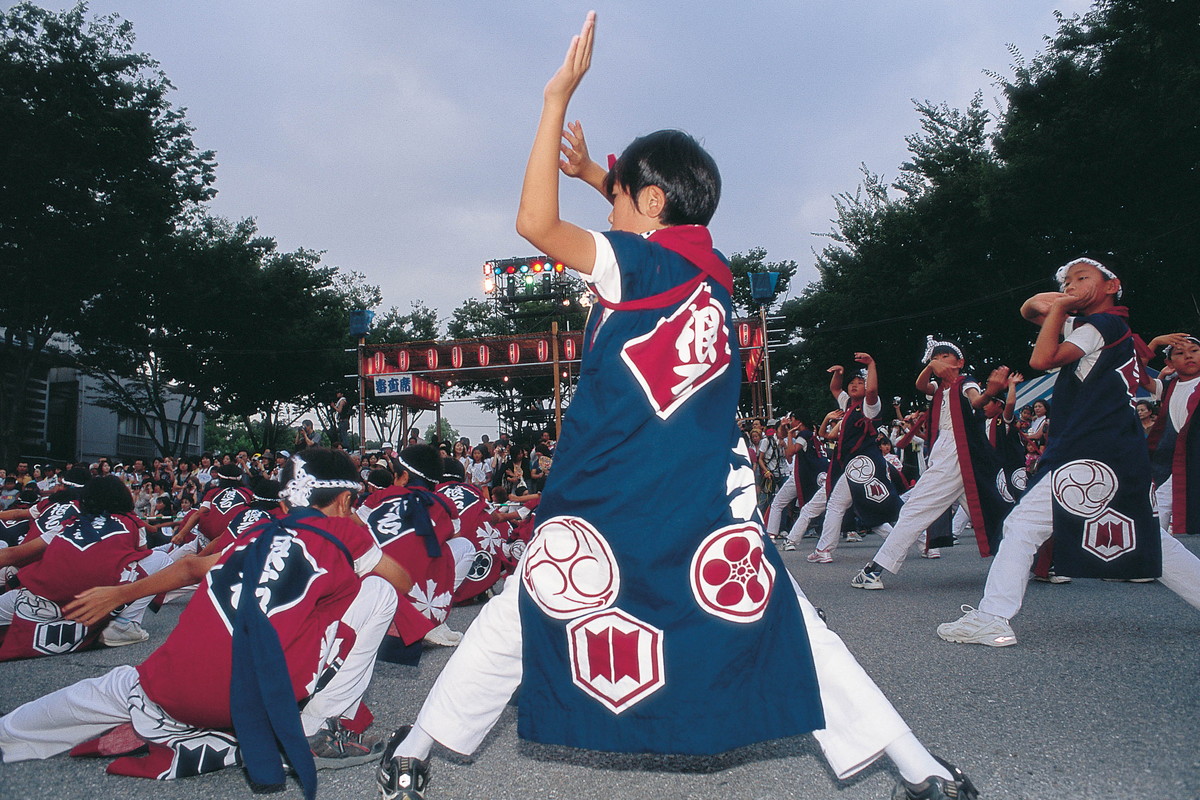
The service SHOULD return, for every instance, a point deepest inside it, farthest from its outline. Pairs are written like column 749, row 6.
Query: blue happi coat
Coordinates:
column 655, row 617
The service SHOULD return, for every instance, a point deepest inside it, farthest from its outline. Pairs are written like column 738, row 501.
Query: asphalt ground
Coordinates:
column 1097, row 700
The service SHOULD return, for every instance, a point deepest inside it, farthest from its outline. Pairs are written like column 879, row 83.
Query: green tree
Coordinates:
column 96, row 167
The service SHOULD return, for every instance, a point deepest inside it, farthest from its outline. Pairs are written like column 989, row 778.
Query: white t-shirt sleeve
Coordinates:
column 873, row 410
column 367, row 561
column 843, row 401
column 606, row 274
column 1088, row 339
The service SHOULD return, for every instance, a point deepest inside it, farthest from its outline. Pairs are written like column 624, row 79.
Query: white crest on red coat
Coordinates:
column 684, row 352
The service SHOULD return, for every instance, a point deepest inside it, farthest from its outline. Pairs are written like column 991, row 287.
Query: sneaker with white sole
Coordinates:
column 403, row 778
column 976, row 627
column 335, row 747
column 819, row 557
column 853, row 536
column 443, row 636
column 119, row 634
column 958, row 787
column 789, row 547
column 867, row 580
column 931, row 553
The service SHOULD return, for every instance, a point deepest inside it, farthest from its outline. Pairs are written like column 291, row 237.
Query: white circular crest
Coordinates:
column 1002, row 486
column 1084, row 487
column 1020, row 479
column 569, row 569
column 860, row 469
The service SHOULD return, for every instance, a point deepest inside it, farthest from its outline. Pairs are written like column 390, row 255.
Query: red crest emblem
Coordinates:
column 616, row 658
column 730, row 575
column 683, row 353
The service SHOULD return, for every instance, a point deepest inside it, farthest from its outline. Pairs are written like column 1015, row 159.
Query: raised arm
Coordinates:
column 924, row 382
column 872, row 395
column 835, row 380
column 1010, row 401
column 538, row 219
column 1049, row 351
column 996, row 384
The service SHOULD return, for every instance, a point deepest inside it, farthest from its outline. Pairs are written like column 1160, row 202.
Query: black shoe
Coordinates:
column 401, row 778
column 937, row 788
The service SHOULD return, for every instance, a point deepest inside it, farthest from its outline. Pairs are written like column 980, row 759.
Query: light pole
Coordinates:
column 360, row 323
column 762, row 290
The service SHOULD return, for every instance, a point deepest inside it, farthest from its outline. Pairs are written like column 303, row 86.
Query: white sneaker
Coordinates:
column 788, row 546
column 975, row 627
column 119, row 634
column 819, row 557
column 852, row 536
column 867, row 580
column 934, row 553
column 442, row 636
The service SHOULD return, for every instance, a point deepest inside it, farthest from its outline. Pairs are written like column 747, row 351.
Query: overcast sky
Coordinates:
column 393, row 135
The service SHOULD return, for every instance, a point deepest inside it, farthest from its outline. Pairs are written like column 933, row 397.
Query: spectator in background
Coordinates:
column 307, row 436
column 1039, row 426
column 1146, row 415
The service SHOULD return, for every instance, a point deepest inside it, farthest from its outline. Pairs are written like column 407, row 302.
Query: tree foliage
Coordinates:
column 1095, row 151
column 96, row 168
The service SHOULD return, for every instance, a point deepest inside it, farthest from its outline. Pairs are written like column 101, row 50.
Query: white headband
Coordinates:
column 1169, row 348
column 932, row 344
column 1061, row 274
column 300, row 488
column 414, row 470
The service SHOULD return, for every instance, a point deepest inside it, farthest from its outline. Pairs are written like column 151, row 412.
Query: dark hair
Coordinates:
column 323, row 464
column 381, row 478
column 106, row 494
column 453, row 470
column 676, row 163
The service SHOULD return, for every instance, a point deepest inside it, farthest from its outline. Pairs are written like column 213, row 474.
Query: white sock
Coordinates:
column 913, row 760
column 417, row 744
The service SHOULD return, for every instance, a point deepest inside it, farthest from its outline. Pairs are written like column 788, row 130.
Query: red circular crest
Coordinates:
column 731, row 576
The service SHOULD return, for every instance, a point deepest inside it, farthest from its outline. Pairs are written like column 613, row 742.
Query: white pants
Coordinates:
column 838, row 504
column 810, row 511
column 482, row 674
column 84, row 710
column 783, row 498
column 938, row 488
column 1162, row 500
column 1030, row 524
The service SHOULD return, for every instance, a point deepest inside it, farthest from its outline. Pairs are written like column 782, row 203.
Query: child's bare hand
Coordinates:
column 863, row 358
column 1168, row 340
column 576, row 63
column 1015, row 378
column 836, row 369
column 575, row 152
column 92, row 606
column 1166, row 372
column 1039, row 305
column 998, row 380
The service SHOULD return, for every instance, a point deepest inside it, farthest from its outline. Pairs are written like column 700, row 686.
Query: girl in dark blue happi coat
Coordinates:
column 1092, row 487
column 652, row 623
